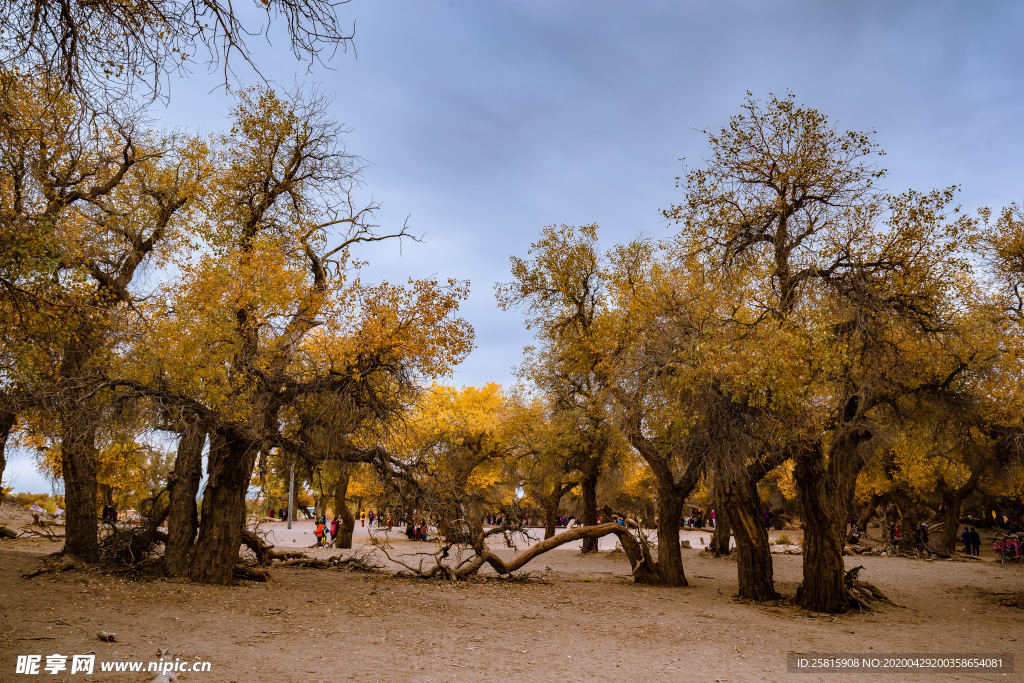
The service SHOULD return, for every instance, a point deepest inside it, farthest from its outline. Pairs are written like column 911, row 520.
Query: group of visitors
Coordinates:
column 323, row 529
column 1008, row 548
column 696, row 518
column 971, row 540
column 416, row 530
column 281, row 514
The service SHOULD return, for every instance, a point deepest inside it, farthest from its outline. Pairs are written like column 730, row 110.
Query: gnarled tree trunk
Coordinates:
column 78, row 465
column 753, row 554
column 183, row 512
column 215, row 555
column 348, row 521
column 823, row 521
column 826, row 492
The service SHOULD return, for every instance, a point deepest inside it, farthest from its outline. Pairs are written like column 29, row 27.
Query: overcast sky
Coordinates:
column 484, row 121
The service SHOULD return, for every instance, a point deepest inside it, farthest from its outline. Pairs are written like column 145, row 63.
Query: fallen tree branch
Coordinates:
column 248, row 573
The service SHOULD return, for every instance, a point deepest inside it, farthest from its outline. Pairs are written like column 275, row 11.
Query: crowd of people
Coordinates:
column 1008, row 548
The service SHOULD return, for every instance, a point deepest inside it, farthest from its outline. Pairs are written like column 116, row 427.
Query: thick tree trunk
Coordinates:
column 551, row 514
column 754, row 557
column 823, row 589
column 723, row 531
column 348, row 521
column 951, row 504
column 215, row 555
column 670, row 557
column 183, row 512
column 7, row 421
column 78, row 465
column 589, row 493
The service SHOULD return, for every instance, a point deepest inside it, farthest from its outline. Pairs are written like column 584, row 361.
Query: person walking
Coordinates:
column 975, row 542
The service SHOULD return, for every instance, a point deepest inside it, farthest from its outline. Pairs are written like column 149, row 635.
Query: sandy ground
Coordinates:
column 587, row 621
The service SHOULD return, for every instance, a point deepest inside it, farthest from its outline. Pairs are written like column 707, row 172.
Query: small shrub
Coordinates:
column 783, row 539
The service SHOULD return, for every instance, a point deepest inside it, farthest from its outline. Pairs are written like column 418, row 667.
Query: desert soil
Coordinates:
column 584, row 621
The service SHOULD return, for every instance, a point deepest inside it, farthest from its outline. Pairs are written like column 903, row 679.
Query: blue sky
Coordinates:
column 485, row 121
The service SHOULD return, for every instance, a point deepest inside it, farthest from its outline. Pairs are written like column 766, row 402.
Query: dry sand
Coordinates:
column 586, row 622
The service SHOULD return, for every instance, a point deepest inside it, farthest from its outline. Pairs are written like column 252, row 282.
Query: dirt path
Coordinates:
column 587, row 623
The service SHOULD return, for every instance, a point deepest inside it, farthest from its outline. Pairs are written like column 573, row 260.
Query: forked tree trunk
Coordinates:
column 551, row 507
column 753, row 555
column 826, row 494
column 670, row 557
column 183, row 512
column 347, row 519
column 231, row 462
column 589, row 493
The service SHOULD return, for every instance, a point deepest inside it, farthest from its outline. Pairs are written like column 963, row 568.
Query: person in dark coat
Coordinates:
column 975, row 542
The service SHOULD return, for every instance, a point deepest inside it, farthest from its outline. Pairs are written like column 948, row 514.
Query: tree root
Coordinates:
column 862, row 594
column 243, row 571
column 351, row 563
column 62, row 565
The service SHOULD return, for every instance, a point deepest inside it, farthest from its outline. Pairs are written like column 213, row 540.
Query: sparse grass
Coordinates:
column 783, row 539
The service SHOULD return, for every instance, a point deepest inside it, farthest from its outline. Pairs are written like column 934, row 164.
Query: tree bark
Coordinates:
column 869, row 512
column 7, row 421
column 589, row 493
column 753, row 554
column 183, row 512
column 951, row 504
column 348, row 521
column 723, row 531
column 551, row 507
column 78, row 465
column 826, row 492
column 215, row 555
column 670, row 556
column 823, row 569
